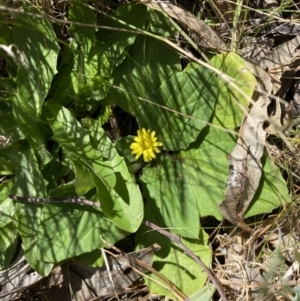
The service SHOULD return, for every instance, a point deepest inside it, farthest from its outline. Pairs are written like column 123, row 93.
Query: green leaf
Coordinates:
column 110, row 49
column 81, row 12
column 173, row 263
column 76, row 142
column 36, row 40
column 197, row 178
column 147, row 65
column 8, row 243
column 204, row 294
column 170, row 197
column 93, row 258
column 231, row 104
column 272, row 191
column 123, row 148
column 84, row 179
column 8, row 90
column 10, row 154
column 8, row 231
column 125, row 205
column 68, row 230
column 152, row 76
column 193, row 93
column 207, row 169
column 89, row 75
column 6, row 167
column 28, row 179
column 29, row 183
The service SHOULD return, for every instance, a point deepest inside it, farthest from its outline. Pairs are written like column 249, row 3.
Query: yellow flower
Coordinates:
column 145, row 144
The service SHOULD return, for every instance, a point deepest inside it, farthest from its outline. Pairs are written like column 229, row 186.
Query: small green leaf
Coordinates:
column 123, row 148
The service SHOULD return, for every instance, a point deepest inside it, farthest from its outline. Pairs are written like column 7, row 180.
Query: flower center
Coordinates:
column 146, row 144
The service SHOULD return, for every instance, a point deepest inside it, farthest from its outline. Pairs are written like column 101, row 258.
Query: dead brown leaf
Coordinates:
column 245, row 167
column 281, row 60
column 203, row 34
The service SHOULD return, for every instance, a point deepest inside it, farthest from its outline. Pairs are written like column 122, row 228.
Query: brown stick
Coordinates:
column 76, row 200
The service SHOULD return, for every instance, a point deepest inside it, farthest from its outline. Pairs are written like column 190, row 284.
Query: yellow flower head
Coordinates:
column 146, row 144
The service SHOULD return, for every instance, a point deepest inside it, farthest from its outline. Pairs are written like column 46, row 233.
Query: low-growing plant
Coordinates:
column 57, row 94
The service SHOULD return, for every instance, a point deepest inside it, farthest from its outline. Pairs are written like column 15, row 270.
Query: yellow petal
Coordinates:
column 156, row 149
column 137, row 155
column 135, row 146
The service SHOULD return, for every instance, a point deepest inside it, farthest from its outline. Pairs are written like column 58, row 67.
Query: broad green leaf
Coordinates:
column 173, row 263
column 125, row 205
column 200, row 176
column 170, row 197
column 29, row 183
column 76, row 142
column 28, row 179
column 36, row 40
column 147, row 65
column 81, row 13
column 272, row 191
column 8, row 243
column 192, row 93
column 207, row 168
column 64, row 190
column 68, row 230
column 231, row 104
column 154, row 76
